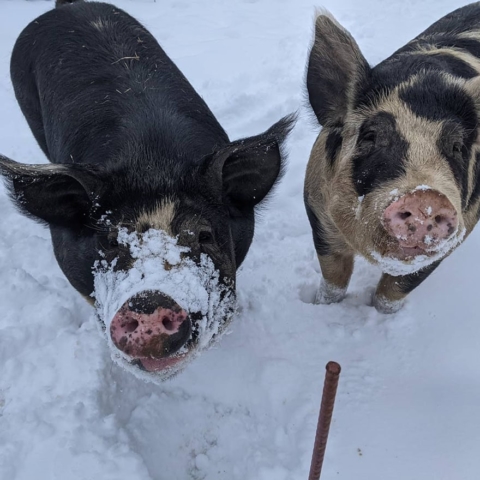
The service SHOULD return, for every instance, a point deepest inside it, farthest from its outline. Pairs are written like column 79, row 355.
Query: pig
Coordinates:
column 140, row 170
column 394, row 175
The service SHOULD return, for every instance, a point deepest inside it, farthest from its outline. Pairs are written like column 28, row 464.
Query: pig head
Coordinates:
column 394, row 174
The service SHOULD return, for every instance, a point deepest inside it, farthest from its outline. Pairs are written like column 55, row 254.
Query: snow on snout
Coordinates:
column 163, row 265
column 426, row 227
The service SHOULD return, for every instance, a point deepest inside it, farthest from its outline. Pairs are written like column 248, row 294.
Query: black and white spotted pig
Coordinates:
column 394, row 175
column 132, row 145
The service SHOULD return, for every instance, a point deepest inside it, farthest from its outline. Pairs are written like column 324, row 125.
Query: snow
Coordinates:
column 397, row 267
column 195, row 288
column 408, row 398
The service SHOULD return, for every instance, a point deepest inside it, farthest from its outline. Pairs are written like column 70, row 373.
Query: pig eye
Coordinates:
column 368, row 138
column 205, row 237
column 457, row 148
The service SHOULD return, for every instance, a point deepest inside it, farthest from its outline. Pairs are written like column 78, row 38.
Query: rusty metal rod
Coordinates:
column 324, row 419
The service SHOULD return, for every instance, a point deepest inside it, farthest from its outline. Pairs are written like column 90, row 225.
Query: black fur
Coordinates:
column 333, row 143
column 331, row 76
column 456, row 146
column 322, row 246
column 408, row 283
column 129, row 132
column 476, row 181
column 434, row 99
column 399, row 68
column 460, row 20
column 452, row 65
column 381, row 153
column 469, row 44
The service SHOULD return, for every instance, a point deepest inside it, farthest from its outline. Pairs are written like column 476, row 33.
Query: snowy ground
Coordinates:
column 409, row 399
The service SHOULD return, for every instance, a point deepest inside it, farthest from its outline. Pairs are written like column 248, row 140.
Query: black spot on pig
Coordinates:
column 456, row 146
column 433, row 98
column 320, row 242
column 476, row 180
column 453, row 65
column 468, row 44
column 407, row 62
column 381, row 153
column 333, row 144
column 408, row 283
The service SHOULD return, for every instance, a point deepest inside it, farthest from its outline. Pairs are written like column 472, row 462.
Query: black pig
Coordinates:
column 134, row 151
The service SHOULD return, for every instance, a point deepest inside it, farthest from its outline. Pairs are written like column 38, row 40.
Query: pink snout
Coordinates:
column 150, row 327
column 420, row 221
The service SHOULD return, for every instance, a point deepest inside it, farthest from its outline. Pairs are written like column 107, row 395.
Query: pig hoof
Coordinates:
column 383, row 305
column 328, row 293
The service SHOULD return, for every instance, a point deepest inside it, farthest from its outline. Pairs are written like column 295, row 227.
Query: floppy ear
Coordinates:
column 336, row 69
column 245, row 171
column 57, row 194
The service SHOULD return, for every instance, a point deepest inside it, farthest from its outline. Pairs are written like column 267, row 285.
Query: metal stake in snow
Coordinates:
column 324, row 419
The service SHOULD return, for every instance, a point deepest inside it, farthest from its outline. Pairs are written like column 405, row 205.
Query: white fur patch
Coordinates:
column 159, row 218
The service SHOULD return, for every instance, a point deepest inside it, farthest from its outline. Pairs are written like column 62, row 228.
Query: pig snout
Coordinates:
column 420, row 221
column 150, row 326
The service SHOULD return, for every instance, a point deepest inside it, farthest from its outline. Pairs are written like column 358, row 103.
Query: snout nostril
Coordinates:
column 404, row 215
column 131, row 326
column 167, row 323
column 439, row 219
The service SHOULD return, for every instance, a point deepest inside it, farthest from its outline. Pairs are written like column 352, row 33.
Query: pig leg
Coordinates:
column 391, row 291
column 336, row 259
column 337, row 269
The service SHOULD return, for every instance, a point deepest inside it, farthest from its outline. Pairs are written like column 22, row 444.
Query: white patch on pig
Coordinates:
column 196, row 288
column 100, row 24
column 160, row 218
column 396, row 267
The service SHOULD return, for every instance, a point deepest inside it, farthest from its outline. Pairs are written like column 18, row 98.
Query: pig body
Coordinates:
column 134, row 149
column 394, row 175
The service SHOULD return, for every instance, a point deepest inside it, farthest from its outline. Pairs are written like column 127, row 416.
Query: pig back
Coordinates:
column 90, row 80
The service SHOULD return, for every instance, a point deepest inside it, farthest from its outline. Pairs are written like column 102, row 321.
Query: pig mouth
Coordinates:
column 403, row 250
column 158, row 365
column 406, row 259
column 407, row 253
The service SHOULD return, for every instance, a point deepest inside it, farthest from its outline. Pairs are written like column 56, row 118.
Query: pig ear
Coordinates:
column 336, row 69
column 249, row 168
column 53, row 194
